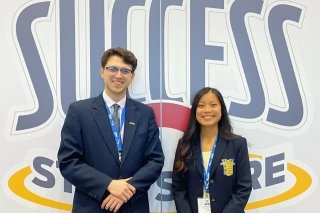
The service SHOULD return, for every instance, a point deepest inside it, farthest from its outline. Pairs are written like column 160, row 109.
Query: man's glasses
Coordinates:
column 124, row 71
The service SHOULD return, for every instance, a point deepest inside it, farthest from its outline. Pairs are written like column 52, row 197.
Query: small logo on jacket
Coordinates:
column 227, row 166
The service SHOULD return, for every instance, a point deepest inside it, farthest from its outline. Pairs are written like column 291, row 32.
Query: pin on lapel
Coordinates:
column 132, row 123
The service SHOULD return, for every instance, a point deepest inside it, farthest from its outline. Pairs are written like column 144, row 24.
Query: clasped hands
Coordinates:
column 120, row 192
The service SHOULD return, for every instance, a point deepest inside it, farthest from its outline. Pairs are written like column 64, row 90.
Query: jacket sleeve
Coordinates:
column 151, row 170
column 243, row 186
column 70, row 157
column 179, row 189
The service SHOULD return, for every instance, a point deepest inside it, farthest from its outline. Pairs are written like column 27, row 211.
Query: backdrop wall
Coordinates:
column 262, row 55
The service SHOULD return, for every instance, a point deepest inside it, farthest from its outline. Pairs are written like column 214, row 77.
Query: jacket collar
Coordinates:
column 220, row 147
column 102, row 121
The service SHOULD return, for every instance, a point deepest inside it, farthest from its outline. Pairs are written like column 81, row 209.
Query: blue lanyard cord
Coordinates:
column 115, row 131
column 206, row 172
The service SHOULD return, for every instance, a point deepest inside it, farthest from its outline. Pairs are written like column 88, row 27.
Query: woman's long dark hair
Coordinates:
column 192, row 134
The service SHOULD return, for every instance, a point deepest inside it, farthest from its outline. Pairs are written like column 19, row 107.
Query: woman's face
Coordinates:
column 208, row 112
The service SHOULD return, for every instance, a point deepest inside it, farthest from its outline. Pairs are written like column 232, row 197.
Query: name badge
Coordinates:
column 204, row 205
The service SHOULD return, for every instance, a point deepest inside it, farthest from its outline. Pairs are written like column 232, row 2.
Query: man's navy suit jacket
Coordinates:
column 88, row 156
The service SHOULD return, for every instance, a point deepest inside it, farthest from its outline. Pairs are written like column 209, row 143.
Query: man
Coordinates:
column 111, row 154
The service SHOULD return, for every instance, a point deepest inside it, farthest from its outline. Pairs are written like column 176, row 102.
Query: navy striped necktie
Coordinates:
column 115, row 116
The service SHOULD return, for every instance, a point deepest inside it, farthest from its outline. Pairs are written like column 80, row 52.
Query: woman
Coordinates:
column 211, row 171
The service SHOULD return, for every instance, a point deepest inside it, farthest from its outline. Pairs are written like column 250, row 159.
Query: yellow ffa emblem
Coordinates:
column 227, row 166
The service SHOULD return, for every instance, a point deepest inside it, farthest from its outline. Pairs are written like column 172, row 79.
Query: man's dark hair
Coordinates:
column 127, row 56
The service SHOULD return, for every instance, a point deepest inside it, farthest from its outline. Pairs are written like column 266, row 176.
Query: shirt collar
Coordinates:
column 109, row 102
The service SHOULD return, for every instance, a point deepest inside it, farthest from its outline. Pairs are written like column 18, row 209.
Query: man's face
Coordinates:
column 117, row 77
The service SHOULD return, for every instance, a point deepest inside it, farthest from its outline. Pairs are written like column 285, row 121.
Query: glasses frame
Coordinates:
column 115, row 69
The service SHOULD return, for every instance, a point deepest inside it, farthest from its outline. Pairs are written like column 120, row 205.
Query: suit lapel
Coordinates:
column 198, row 160
column 132, row 117
column 220, row 147
column 101, row 118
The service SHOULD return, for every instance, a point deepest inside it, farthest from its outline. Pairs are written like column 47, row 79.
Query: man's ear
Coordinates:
column 101, row 71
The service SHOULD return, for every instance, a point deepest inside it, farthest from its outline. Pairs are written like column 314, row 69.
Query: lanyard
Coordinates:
column 206, row 172
column 115, row 131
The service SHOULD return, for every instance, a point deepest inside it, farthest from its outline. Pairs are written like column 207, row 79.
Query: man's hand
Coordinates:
column 121, row 189
column 112, row 203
